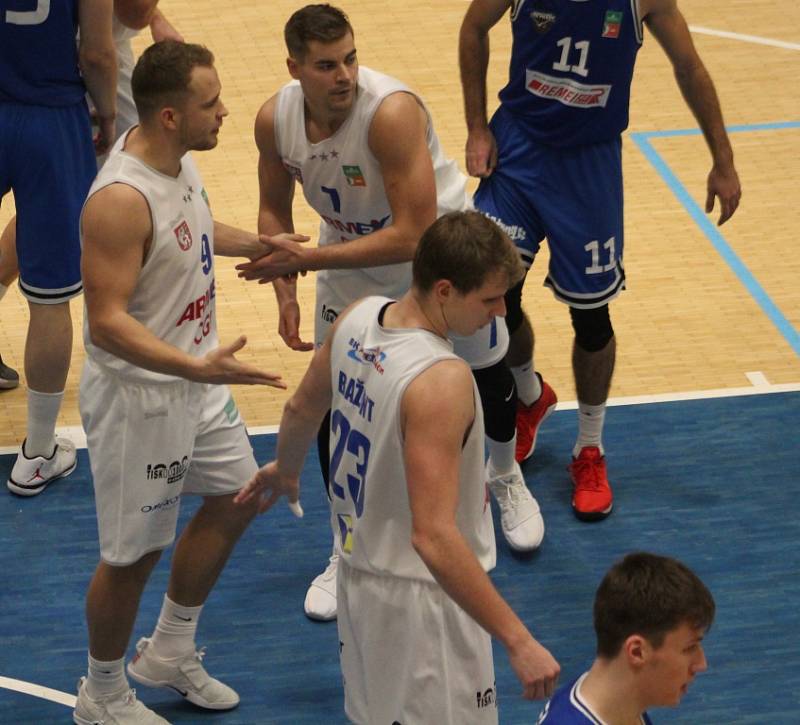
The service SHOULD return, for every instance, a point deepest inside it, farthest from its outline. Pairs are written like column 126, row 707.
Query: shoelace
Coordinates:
column 330, row 570
column 514, row 494
column 130, row 697
column 587, row 474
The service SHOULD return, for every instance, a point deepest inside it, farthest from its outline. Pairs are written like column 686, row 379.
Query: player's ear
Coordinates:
column 443, row 290
column 636, row 649
column 293, row 66
column 169, row 117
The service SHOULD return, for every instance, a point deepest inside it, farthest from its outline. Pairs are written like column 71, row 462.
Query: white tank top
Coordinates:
column 342, row 180
column 371, row 367
column 174, row 295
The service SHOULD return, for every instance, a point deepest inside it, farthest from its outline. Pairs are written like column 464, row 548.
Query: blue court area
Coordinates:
column 712, row 482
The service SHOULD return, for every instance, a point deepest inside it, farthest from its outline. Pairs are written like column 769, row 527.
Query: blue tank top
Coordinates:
column 571, row 68
column 38, row 53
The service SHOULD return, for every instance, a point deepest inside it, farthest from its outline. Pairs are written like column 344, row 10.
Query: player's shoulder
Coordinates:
column 565, row 708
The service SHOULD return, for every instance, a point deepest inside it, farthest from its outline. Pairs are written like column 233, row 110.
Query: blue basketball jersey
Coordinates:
column 571, row 68
column 567, row 708
column 38, row 54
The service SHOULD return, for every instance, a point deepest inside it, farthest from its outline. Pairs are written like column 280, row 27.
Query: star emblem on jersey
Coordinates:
column 612, row 24
column 183, row 235
column 187, row 197
column 354, row 176
column 324, row 155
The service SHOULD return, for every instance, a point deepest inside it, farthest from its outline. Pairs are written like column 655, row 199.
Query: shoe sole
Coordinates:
column 317, row 618
column 21, row 490
column 187, row 695
column 9, row 384
column 592, row 515
column 546, row 415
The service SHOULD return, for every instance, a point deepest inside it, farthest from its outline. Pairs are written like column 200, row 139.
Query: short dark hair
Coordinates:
column 163, row 72
column 323, row 23
column 649, row 595
column 464, row 247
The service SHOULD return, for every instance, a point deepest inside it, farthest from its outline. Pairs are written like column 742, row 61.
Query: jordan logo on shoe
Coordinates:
column 36, row 475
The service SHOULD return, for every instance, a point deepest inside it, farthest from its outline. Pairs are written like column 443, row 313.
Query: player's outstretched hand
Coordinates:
column 481, row 153
column 536, row 669
column 285, row 258
column 723, row 181
column 268, row 485
column 220, row 366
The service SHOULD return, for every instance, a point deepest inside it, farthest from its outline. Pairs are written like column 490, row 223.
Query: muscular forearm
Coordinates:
column 299, row 426
column 473, row 55
column 698, row 90
column 232, row 242
column 99, row 70
column 391, row 245
column 456, row 569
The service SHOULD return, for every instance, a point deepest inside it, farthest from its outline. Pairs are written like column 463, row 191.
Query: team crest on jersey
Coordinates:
column 183, row 235
column 612, row 23
column 354, row 175
column 543, row 17
column 346, row 532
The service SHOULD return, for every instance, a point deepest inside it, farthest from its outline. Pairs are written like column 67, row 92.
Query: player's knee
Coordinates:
column 593, row 330
column 498, row 400
column 514, row 314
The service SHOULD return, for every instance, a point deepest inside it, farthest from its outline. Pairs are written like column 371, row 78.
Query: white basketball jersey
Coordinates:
column 371, row 367
column 174, row 295
column 342, row 180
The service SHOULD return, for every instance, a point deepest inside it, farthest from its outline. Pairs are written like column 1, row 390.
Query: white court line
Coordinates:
column 45, row 693
column 744, row 38
column 760, row 386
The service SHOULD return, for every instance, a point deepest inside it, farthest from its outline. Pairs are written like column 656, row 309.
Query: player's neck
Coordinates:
column 414, row 311
column 155, row 151
column 608, row 692
column 321, row 123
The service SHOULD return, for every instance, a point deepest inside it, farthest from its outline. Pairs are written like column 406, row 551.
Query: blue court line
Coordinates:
column 642, row 140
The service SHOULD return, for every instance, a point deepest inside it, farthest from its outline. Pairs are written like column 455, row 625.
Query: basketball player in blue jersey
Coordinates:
column 46, row 157
column 550, row 166
column 650, row 616
column 416, row 607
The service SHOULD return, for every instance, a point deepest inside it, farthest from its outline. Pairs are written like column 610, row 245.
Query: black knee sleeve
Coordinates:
column 514, row 307
column 592, row 327
column 324, row 450
column 498, row 400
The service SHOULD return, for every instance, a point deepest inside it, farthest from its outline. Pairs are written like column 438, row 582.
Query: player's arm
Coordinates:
column 135, row 14
column 117, row 230
column 437, row 412
column 275, row 196
column 473, row 61
column 97, row 58
column 669, row 27
column 163, row 29
column 398, row 140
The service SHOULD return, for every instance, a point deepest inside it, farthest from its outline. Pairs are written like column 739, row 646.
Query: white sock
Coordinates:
column 590, row 427
column 3, row 290
column 529, row 388
column 175, row 630
column 105, row 678
column 42, row 414
column 501, row 456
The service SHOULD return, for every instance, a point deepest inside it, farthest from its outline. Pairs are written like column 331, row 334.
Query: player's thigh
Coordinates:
column 55, row 166
column 140, row 440
column 419, row 658
column 583, row 221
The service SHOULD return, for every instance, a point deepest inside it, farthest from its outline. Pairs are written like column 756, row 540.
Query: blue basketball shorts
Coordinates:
column 572, row 196
column 47, row 159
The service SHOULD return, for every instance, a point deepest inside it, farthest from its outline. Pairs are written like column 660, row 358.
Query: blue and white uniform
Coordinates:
column 46, row 151
column 409, row 653
column 567, row 707
column 559, row 167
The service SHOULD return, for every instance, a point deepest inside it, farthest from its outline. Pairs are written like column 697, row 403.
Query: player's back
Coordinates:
column 39, row 55
column 571, row 69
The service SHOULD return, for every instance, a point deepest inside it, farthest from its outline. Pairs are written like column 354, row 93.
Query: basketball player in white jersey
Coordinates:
column 416, row 607
column 362, row 146
column 159, row 418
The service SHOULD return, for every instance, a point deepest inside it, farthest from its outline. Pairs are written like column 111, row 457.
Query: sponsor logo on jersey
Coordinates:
column 514, row 232
column 355, row 393
column 354, row 175
column 487, row 698
column 543, row 19
column 183, row 235
column 195, row 310
column 346, row 532
column 205, row 197
column 329, row 314
column 359, row 228
column 366, row 356
column 612, row 23
column 567, row 91
column 172, row 473
column 294, row 171
column 230, row 410
column 167, row 503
